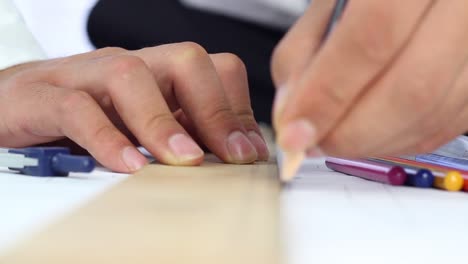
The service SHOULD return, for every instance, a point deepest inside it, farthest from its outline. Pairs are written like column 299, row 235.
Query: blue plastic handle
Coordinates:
column 64, row 163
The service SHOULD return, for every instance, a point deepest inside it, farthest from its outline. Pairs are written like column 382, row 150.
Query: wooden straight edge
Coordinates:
column 212, row 214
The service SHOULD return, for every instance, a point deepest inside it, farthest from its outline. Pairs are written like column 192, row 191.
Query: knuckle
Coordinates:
column 159, row 122
column 109, row 133
column 246, row 113
column 231, row 64
column 191, row 51
column 246, row 116
column 111, row 50
column 103, row 133
column 373, row 49
column 334, row 95
column 218, row 114
column 106, row 139
column 122, row 67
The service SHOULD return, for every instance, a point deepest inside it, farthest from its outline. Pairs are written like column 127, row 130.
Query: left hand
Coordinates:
column 166, row 98
column 391, row 79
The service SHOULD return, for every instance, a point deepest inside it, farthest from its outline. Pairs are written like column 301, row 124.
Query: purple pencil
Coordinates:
column 368, row 170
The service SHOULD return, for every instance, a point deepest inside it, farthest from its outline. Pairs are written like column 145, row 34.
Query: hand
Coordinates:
column 392, row 78
column 164, row 97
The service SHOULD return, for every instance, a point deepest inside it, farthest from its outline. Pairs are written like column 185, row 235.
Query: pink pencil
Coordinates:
column 394, row 175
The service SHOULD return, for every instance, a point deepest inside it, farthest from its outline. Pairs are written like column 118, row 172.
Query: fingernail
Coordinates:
column 260, row 145
column 315, row 153
column 240, row 148
column 280, row 102
column 133, row 159
column 184, row 148
column 297, row 136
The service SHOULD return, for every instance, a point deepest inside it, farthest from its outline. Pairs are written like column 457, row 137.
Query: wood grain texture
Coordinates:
column 215, row 213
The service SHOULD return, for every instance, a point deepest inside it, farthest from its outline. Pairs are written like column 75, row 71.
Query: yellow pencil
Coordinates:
column 453, row 181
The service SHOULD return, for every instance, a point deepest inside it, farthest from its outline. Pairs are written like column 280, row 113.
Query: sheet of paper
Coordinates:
column 27, row 203
column 334, row 218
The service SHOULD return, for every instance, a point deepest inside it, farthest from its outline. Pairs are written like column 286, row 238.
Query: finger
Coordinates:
column 130, row 85
column 301, row 42
column 233, row 76
column 446, row 122
column 368, row 38
column 411, row 91
column 74, row 114
column 199, row 92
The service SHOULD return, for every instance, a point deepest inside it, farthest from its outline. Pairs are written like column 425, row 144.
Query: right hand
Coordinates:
column 166, row 98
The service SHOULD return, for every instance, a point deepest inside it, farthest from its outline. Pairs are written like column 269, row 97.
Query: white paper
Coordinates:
column 29, row 203
column 335, row 218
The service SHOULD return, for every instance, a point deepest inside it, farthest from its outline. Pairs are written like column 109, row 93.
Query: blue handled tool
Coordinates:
column 45, row 161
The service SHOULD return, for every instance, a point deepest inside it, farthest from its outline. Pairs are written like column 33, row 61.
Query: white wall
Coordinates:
column 58, row 25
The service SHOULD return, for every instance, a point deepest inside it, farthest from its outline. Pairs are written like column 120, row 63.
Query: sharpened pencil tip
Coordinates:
column 291, row 164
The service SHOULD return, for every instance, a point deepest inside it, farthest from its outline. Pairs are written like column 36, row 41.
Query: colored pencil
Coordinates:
column 394, row 175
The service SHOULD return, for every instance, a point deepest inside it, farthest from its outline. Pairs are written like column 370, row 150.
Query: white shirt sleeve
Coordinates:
column 273, row 13
column 17, row 45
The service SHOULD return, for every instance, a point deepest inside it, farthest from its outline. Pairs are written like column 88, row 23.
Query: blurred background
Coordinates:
column 59, row 26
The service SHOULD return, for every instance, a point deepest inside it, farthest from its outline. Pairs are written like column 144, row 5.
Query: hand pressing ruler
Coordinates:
column 212, row 214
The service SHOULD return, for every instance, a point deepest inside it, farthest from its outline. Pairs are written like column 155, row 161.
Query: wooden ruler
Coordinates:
column 213, row 214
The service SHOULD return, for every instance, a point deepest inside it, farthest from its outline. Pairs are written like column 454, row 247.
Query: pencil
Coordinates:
column 292, row 161
column 378, row 172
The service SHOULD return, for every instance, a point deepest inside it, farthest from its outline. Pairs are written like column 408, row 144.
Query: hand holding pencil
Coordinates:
column 390, row 79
